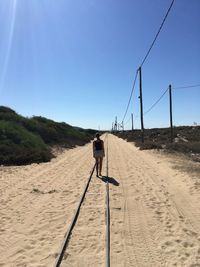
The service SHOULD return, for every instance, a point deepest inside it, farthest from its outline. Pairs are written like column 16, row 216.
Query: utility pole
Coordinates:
column 132, row 120
column 116, row 124
column 170, row 106
column 141, row 105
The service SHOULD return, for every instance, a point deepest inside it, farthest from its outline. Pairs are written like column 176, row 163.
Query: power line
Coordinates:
column 147, row 111
column 127, row 121
column 136, row 74
column 181, row 87
column 189, row 86
column 147, row 54
column 157, row 33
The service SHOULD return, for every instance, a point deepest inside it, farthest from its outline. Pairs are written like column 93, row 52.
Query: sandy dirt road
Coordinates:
column 155, row 211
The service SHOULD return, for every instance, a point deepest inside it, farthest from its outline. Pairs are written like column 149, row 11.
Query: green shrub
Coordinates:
column 19, row 146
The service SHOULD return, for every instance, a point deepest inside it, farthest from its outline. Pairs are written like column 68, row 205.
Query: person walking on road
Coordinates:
column 98, row 154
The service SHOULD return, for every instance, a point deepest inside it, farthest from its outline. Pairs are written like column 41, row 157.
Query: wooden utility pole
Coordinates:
column 132, row 120
column 116, row 123
column 170, row 106
column 141, row 105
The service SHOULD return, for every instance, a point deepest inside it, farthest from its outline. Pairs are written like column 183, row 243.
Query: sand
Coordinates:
column 155, row 210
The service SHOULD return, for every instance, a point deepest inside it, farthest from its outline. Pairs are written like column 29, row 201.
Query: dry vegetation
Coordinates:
column 186, row 140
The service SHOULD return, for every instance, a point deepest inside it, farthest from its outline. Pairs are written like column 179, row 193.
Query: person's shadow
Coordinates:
column 109, row 180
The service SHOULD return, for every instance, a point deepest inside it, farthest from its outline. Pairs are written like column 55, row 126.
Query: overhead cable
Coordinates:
column 128, row 120
column 136, row 74
column 147, row 54
column 151, row 46
column 189, row 86
column 148, row 110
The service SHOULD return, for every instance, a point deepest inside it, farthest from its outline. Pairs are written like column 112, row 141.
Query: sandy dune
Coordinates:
column 155, row 211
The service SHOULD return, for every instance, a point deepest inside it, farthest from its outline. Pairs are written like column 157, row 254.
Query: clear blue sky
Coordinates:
column 75, row 60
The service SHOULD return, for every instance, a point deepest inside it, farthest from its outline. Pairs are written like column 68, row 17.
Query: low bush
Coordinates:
column 19, row 146
column 193, row 147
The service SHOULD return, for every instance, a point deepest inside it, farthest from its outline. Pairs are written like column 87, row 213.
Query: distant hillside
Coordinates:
column 27, row 140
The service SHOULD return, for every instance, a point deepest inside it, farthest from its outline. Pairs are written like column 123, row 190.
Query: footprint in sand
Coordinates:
column 169, row 225
column 191, row 233
column 187, row 244
column 178, row 241
column 159, row 212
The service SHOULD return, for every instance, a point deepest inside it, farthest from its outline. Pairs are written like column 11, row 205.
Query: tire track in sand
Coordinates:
column 175, row 213
column 139, row 244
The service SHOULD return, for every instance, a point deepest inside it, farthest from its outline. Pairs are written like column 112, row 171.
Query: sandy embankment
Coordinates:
column 155, row 211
